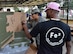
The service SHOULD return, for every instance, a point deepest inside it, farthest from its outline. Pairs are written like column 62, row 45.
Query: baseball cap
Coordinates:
column 54, row 6
column 35, row 11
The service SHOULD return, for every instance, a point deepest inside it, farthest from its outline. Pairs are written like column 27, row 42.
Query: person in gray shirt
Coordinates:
column 37, row 18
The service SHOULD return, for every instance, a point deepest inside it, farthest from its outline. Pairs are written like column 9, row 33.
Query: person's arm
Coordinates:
column 25, row 28
column 68, row 41
column 68, row 47
column 26, row 31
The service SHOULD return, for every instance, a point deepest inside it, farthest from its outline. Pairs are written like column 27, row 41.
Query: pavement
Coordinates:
column 14, row 50
column 22, row 49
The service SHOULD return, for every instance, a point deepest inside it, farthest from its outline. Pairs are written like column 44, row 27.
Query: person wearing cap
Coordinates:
column 36, row 18
column 53, row 33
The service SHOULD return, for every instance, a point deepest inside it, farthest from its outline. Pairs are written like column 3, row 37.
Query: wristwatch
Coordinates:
column 31, row 40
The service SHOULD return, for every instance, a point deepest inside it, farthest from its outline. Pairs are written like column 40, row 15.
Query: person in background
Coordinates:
column 36, row 18
column 1, row 10
column 8, row 10
column 53, row 33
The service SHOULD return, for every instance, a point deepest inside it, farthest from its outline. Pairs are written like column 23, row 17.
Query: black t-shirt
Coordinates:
column 53, row 35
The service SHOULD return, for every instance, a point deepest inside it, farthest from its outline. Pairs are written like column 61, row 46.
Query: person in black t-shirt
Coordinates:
column 53, row 33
